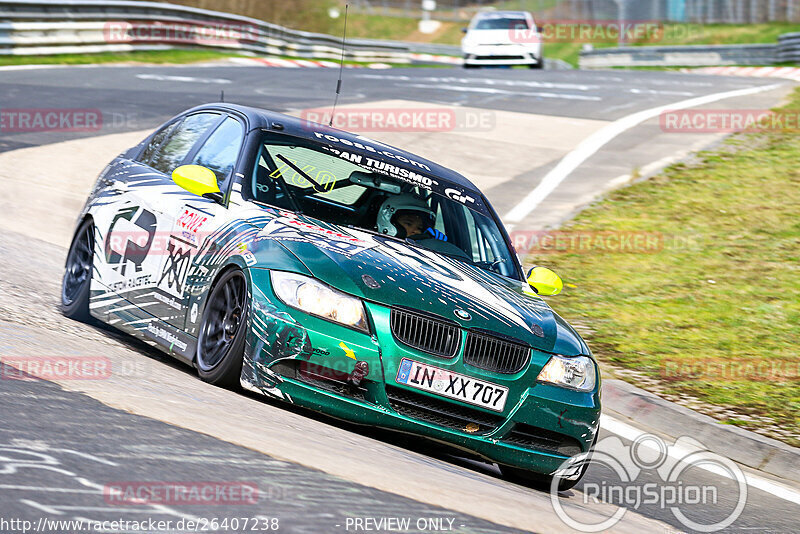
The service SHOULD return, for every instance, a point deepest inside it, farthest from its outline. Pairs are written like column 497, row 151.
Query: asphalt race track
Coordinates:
column 152, row 419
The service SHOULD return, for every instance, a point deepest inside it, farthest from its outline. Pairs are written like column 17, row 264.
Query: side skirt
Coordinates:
column 123, row 315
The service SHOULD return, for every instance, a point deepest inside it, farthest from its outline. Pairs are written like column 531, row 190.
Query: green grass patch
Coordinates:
column 160, row 57
column 712, row 312
column 148, row 56
column 712, row 34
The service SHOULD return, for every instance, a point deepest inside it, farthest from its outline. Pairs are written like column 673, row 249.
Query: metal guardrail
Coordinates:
column 789, row 48
column 680, row 56
column 681, row 11
column 43, row 27
column 38, row 27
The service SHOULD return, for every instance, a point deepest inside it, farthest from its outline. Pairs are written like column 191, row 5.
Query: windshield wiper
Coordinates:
column 299, row 171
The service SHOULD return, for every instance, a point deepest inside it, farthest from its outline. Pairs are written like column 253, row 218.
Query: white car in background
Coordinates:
column 502, row 38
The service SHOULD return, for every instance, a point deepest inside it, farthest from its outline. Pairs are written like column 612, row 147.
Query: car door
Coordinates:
column 136, row 230
column 195, row 220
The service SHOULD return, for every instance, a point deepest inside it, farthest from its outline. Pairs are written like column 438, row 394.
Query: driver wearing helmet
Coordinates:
column 408, row 216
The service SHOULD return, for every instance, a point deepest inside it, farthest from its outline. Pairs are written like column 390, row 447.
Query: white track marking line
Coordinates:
column 600, row 138
column 186, row 79
column 56, row 490
column 441, row 80
column 629, row 432
column 493, row 91
column 29, row 67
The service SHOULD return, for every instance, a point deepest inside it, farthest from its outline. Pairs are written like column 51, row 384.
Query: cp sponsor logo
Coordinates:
column 129, row 238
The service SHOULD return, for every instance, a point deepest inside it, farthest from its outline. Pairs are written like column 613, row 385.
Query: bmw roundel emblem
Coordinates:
column 461, row 314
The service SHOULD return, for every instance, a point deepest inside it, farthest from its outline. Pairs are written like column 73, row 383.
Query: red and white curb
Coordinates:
column 289, row 63
column 430, row 58
column 792, row 73
column 300, row 63
column 312, row 63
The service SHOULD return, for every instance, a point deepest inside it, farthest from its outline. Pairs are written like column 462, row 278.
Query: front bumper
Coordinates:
column 305, row 360
column 502, row 55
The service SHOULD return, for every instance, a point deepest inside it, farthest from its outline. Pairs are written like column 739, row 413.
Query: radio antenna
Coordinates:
column 341, row 67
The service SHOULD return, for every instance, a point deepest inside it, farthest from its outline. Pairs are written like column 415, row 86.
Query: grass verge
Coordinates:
column 165, row 57
column 710, row 313
column 145, row 56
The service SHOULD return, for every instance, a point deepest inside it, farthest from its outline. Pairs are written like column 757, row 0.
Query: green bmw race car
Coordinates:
column 337, row 273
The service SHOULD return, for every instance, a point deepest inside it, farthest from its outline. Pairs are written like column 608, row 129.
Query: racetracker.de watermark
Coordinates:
column 588, row 241
column 729, row 121
column 18, row 120
column 588, row 31
column 428, row 119
column 55, row 368
column 727, row 369
column 185, row 32
column 591, row 31
column 200, row 493
column 72, row 368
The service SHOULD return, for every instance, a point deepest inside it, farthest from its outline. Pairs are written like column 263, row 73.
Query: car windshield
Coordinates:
column 364, row 190
column 501, row 23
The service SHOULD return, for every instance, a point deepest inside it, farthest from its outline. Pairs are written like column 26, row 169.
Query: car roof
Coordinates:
column 264, row 119
column 500, row 14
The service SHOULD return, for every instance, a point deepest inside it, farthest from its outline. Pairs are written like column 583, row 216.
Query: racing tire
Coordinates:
column 221, row 339
column 537, row 66
column 77, row 281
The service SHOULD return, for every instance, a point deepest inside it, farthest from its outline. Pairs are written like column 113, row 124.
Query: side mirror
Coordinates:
column 198, row 180
column 464, row 30
column 544, row 281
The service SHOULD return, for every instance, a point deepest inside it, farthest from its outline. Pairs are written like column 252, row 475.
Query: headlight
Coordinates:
column 577, row 372
column 315, row 298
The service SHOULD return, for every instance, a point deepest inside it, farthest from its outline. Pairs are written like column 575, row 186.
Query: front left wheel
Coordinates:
column 220, row 344
column 75, row 285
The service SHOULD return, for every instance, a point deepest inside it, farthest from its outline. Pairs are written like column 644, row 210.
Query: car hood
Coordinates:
column 398, row 274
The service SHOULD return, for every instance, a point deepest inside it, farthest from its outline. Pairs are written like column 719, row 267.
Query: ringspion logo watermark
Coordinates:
column 729, row 121
column 29, row 120
column 55, row 368
column 185, row 32
column 438, row 119
column 200, row 493
column 652, row 473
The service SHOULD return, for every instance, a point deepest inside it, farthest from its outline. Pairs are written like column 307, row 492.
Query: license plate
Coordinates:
column 452, row 385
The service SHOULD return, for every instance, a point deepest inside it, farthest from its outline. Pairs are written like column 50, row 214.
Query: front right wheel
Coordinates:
column 220, row 344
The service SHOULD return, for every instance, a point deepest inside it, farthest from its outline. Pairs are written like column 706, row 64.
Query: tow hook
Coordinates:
column 360, row 371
